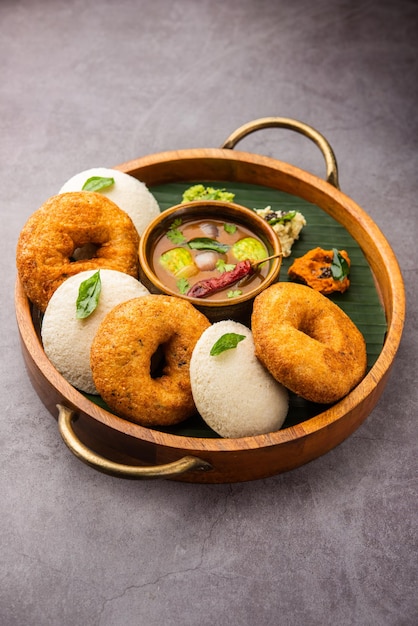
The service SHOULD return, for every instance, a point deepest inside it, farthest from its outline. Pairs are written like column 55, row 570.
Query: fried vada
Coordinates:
column 307, row 342
column 63, row 224
column 131, row 338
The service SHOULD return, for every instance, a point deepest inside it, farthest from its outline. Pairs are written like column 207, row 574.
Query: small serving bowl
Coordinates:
column 238, row 309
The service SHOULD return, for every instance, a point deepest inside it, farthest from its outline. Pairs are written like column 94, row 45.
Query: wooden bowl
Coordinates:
column 116, row 446
column 238, row 309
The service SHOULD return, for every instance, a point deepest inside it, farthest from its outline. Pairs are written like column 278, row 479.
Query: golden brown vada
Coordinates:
column 122, row 354
column 307, row 342
column 67, row 222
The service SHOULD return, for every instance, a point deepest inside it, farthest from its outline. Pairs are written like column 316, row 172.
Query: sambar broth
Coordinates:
column 193, row 229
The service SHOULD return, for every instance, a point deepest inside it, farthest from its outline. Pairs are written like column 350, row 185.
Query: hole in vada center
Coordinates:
column 85, row 252
column 158, row 362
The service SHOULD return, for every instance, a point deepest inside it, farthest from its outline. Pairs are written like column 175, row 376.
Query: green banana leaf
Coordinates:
column 360, row 302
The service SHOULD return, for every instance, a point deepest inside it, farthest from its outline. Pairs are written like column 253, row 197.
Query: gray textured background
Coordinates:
column 87, row 83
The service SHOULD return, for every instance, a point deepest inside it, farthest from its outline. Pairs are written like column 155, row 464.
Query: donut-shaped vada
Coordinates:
column 307, row 342
column 123, row 354
column 68, row 222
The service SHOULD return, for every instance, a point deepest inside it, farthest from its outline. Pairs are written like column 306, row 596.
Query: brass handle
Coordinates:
column 168, row 470
column 299, row 127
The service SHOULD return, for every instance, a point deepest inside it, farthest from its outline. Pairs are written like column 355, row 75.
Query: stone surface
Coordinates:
column 87, row 83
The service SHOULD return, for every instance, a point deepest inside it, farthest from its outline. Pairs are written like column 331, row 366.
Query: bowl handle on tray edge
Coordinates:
column 168, row 470
column 299, row 127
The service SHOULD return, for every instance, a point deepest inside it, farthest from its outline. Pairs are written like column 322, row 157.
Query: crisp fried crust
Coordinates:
column 307, row 342
column 122, row 353
column 67, row 222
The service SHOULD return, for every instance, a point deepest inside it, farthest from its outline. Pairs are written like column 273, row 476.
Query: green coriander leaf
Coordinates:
column 206, row 243
column 339, row 266
column 222, row 266
column 230, row 228
column 234, row 293
column 88, row 296
column 183, row 285
column 174, row 234
column 97, row 183
column 226, row 342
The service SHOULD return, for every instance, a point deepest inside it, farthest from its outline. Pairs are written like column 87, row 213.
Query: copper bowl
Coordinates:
column 238, row 309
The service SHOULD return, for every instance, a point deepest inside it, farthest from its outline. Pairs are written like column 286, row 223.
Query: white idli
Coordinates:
column 66, row 339
column 235, row 395
column 130, row 194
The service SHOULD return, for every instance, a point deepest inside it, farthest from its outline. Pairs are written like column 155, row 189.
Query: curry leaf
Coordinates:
column 281, row 218
column 206, row 243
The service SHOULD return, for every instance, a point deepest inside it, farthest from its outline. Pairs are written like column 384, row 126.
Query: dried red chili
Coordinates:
column 208, row 286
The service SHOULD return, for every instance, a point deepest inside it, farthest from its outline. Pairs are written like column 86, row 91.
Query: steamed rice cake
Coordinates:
column 233, row 392
column 66, row 339
column 130, row 194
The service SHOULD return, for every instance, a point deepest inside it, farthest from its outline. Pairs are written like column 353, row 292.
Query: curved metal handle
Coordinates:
column 169, row 470
column 295, row 125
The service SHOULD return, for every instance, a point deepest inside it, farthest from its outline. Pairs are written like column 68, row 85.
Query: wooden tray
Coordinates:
column 116, row 446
